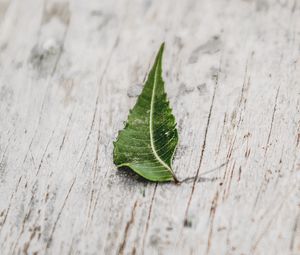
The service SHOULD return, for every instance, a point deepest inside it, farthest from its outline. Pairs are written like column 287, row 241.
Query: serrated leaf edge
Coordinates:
column 151, row 114
column 159, row 61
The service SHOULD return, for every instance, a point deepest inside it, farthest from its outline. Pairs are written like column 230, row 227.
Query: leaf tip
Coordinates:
column 161, row 50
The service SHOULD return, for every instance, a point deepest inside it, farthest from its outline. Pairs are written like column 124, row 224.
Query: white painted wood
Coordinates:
column 69, row 73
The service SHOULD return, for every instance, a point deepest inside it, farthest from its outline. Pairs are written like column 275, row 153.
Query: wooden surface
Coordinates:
column 69, row 73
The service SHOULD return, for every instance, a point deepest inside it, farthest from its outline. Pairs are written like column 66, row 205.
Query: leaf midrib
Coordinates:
column 151, row 120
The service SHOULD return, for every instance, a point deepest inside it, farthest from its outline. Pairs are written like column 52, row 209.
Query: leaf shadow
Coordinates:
column 127, row 174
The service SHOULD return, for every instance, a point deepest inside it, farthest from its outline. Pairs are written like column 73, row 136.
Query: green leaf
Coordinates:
column 149, row 139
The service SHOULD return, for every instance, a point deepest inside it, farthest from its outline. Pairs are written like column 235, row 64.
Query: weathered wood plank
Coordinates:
column 70, row 72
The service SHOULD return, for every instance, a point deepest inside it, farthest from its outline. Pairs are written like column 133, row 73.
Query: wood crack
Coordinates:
column 202, row 150
column 127, row 227
column 272, row 120
column 148, row 218
column 59, row 215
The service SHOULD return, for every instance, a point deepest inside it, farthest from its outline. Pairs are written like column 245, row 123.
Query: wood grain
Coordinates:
column 69, row 73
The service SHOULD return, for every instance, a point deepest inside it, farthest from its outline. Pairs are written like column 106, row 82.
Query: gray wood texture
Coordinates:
column 69, row 73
